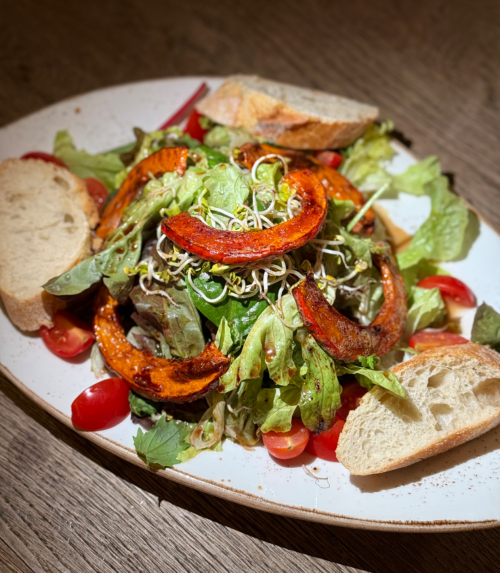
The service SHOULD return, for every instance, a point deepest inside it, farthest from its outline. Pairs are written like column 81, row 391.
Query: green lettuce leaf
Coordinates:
column 368, row 378
column 271, row 342
column 417, row 176
column 425, row 307
column 161, row 445
column 143, row 407
column 190, row 452
column 240, row 425
column 223, row 338
column 227, row 188
column 101, row 166
column 442, row 235
column 320, row 394
column 274, row 408
column 225, row 138
column 486, row 327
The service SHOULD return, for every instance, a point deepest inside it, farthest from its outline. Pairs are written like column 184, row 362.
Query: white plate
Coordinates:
column 456, row 490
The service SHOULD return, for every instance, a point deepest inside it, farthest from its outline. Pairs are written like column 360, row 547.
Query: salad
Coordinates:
column 245, row 292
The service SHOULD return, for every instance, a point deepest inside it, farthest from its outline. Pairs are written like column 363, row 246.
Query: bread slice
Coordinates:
column 453, row 397
column 288, row 115
column 46, row 218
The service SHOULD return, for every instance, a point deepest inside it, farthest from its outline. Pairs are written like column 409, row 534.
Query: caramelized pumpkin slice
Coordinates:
column 182, row 380
column 336, row 185
column 234, row 247
column 163, row 161
column 344, row 339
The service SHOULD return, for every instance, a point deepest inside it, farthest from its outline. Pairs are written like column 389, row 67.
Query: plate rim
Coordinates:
column 224, row 491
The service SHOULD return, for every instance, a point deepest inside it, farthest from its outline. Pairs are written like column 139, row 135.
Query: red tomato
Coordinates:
column 350, row 397
column 330, row 158
column 287, row 445
column 68, row 337
column 44, row 157
column 425, row 339
column 324, row 445
column 101, row 406
column 97, row 191
column 193, row 127
column 451, row 289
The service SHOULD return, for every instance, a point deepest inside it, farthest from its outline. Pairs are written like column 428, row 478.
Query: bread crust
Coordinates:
column 485, row 355
column 271, row 119
column 28, row 313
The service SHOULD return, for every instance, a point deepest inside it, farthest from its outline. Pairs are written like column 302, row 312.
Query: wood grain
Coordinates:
column 431, row 66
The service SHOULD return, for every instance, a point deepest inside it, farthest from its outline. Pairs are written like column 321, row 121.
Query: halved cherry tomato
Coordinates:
column 97, row 191
column 350, row 397
column 193, row 127
column 425, row 339
column 451, row 289
column 324, row 445
column 44, row 157
column 101, row 406
column 68, row 337
column 330, row 158
column 287, row 445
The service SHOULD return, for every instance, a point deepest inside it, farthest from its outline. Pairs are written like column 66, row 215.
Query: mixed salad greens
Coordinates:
column 176, row 301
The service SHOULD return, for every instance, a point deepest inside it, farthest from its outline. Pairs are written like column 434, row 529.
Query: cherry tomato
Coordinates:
column 287, row 445
column 101, row 406
column 451, row 289
column 97, row 191
column 44, row 157
column 350, row 397
column 324, row 445
column 68, row 337
column 193, row 127
column 330, row 158
column 425, row 339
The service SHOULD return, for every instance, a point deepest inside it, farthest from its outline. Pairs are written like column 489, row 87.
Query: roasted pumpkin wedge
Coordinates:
column 344, row 339
column 336, row 185
column 158, row 163
column 234, row 247
column 182, row 380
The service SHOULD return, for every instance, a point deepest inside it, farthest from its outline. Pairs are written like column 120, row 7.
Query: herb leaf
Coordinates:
column 161, row 445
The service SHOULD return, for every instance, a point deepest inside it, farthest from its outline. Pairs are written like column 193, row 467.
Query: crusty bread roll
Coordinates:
column 453, row 397
column 46, row 222
column 288, row 115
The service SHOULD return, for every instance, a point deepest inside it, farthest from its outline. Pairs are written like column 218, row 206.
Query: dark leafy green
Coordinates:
column 160, row 446
column 143, row 407
column 486, row 327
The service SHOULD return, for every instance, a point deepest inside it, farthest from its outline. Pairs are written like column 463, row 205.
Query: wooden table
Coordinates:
column 431, row 66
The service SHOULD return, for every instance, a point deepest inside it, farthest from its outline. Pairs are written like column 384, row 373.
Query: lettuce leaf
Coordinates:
column 369, row 377
column 101, row 166
column 179, row 320
column 227, row 189
column 425, row 307
column 320, row 394
column 364, row 165
column 442, row 235
column 417, row 176
column 270, row 343
column 143, row 407
column 274, row 408
column 486, row 327
column 240, row 425
column 223, row 338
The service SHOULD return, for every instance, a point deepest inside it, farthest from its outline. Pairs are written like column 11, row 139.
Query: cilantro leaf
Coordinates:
column 369, row 361
column 161, row 445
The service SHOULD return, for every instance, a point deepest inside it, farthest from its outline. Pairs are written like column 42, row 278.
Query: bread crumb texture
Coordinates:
column 46, row 217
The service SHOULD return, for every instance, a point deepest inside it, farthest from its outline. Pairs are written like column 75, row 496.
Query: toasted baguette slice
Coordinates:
column 288, row 115
column 453, row 397
column 46, row 217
